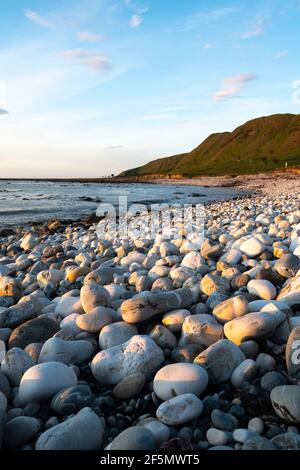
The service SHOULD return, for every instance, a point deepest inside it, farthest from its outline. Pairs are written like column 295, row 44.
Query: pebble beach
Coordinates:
column 124, row 343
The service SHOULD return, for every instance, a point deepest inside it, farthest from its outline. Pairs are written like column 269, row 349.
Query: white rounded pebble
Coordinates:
column 180, row 410
column 257, row 425
column 177, row 379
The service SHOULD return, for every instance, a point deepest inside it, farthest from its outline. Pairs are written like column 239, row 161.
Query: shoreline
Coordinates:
column 266, row 184
column 262, row 183
column 251, row 182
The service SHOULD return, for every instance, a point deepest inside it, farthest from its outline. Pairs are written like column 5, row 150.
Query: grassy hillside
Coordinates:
column 261, row 145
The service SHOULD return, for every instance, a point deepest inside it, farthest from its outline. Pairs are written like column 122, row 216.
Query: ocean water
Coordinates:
column 22, row 202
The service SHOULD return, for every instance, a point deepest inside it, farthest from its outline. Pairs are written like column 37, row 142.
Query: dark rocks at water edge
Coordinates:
column 140, row 344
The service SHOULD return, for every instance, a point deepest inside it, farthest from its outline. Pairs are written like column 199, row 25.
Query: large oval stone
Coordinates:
column 178, row 379
column 115, row 334
column 95, row 320
column 180, row 410
column 83, row 431
column 258, row 325
column 139, row 354
column 37, row 330
column 72, row 399
column 41, row 382
column 231, row 308
column 292, row 353
column 67, row 352
column 202, row 329
column 134, row 438
column 220, row 360
column 143, row 307
column 285, row 400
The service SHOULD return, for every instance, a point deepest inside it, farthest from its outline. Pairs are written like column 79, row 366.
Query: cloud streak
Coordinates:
column 96, row 61
column 257, row 29
column 207, row 46
column 135, row 21
column 3, row 111
column 87, row 36
column 35, row 17
column 231, row 86
column 282, row 54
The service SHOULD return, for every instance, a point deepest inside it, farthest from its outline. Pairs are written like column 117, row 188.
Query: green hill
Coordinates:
column 261, row 145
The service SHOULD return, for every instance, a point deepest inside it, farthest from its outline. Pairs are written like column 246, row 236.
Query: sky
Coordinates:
column 93, row 87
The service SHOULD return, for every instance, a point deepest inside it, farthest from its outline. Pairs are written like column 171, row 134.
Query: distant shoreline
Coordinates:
column 81, row 180
column 263, row 182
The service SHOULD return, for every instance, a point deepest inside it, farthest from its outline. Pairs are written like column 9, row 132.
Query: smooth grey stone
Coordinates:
column 19, row 313
column 143, row 307
column 129, row 387
column 287, row 441
column 271, row 380
column 224, row 421
column 202, row 329
column 42, row 381
column 20, row 430
column 134, row 438
column 258, row 443
column 241, row 435
column 220, row 360
column 288, row 265
column 3, row 406
column 5, row 334
column 216, row 437
column 15, row 364
column 285, row 401
column 6, row 301
column 93, row 295
column 255, row 325
column 71, row 400
column 14, row 413
column 177, row 379
column 4, row 384
column 37, row 330
column 115, row 334
column 180, row 410
column 67, row 352
column 292, row 353
column 84, row 431
column 139, row 354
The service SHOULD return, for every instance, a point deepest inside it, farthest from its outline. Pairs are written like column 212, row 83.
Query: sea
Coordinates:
column 23, row 202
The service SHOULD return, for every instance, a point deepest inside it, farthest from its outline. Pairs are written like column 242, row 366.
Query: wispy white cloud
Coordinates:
column 135, row 21
column 3, row 111
column 207, row 46
column 231, row 86
column 216, row 13
column 256, row 29
column 282, row 54
column 91, row 59
column 205, row 16
column 87, row 36
column 38, row 18
column 114, row 147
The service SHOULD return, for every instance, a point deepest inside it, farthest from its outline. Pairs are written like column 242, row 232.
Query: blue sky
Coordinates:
column 92, row 87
